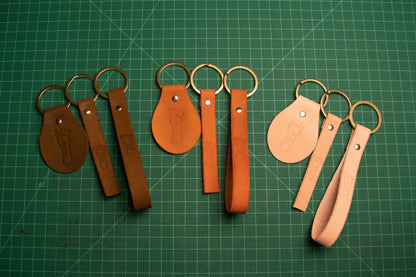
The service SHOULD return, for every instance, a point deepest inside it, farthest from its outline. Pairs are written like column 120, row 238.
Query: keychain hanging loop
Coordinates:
column 45, row 90
column 256, row 81
column 316, row 82
column 163, row 67
column 97, row 85
column 372, row 106
column 211, row 66
column 327, row 97
column 68, row 94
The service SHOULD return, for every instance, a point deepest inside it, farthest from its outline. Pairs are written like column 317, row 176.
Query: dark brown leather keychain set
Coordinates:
column 64, row 143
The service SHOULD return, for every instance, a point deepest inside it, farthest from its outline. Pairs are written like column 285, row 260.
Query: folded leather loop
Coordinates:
column 329, row 130
column 130, row 154
column 293, row 133
column 237, row 176
column 98, row 147
column 209, row 142
column 333, row 210
column 176, row 125
column 63, row 143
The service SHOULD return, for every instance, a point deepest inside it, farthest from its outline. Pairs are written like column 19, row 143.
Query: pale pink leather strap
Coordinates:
column 209, row 142
column 329, row 130
column 334, row 208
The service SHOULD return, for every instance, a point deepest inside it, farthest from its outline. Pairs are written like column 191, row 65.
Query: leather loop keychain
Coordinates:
column 130, row 154
column 63, row 142
column 329, row 130
column 209, row 132
column 237, row 176
column 333, row 210
column 293, row 133
column 176, row 125
column 98, row 146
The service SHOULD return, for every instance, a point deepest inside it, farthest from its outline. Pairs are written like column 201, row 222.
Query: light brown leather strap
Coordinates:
column 293, row 133
column 329, row 130
column 334, row 208
column 98, row 147
column 132, row 161
column 209, row 142
column 176, row 125
column 237, row 176
column 63, row 143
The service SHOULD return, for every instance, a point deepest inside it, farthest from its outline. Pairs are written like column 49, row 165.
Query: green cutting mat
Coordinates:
column 57, row 224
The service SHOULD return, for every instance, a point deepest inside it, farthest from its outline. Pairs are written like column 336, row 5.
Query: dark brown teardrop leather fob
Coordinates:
column 63, row 142
column 176, row 125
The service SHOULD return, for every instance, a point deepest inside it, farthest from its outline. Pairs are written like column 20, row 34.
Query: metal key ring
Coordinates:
column 68, row 94
column 256, row 81
column 316, row 82
column 372, row 106
column 211, row 66
column 163, row 67
column 43, row 91
column 339, row 92
column 97, row 85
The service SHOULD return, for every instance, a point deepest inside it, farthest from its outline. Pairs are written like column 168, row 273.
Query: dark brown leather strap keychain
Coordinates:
column 176, row 125
column 237, row 176
column 63, row 142
column 209, row 131
column 130, row 154
column 98, row 146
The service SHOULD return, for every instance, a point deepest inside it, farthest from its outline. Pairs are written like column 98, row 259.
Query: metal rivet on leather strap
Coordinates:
column 239, row 110
column 175, row 98
column 207, row 102
column 87, row 111
column 58, row 121
column 302, row 114
column 357, row 147
column 118, row 108
column 330, row 127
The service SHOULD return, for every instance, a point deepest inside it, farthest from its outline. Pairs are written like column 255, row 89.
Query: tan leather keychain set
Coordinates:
column 298, row 138
column 176, row 128
column 64, row 143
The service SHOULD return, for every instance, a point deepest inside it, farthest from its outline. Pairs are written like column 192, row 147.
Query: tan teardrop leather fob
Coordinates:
column 63, row 142
column 176, row 125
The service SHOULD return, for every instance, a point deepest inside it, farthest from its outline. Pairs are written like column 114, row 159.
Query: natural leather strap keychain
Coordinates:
column 63, row 142
column 293, row 133
column 130, row 154
column 176, row 125
column 98, row 146
column 333, row 210
column 237, row 176
column 329, row 130
column 209, row 131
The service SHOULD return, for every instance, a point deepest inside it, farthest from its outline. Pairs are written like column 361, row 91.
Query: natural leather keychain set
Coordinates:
column 293, row 135
column 64, row 143
column 176, row 127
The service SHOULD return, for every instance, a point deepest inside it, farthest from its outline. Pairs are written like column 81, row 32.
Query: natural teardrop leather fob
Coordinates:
column 63, row 142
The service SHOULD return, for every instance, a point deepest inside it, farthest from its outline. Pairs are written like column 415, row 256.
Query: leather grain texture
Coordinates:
column 98, row 146
column 130, row 154
column 291, row 137
column 64, row 145
column 333, row 210
column 176, row 125
column 209, row 142
column 237, row 176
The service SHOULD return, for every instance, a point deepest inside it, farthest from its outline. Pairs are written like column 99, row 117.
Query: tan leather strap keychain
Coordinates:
column 329, row 130
column 237, row 176
column 98, row 146
column 293, row 133
column 130, row 154
column 63, row 142
column 209, row 131
column 176, row 125
column 333, row 210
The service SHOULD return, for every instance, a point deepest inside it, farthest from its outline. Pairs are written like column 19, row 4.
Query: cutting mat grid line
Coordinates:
column 55, row 224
